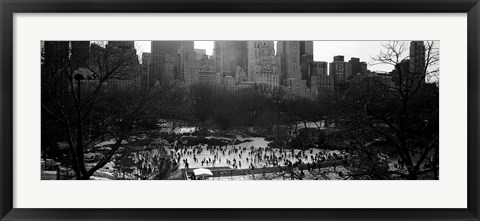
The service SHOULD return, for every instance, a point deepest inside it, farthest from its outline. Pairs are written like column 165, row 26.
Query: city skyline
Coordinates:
column 322, row 50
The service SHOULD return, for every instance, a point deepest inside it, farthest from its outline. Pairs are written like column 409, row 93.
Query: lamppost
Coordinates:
column 278, row 102
column 79, row 78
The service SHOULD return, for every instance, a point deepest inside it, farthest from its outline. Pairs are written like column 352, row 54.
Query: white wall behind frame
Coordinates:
column 449, row 192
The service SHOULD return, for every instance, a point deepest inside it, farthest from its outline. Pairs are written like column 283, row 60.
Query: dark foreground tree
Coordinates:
column 93, row 93
column 404, row 113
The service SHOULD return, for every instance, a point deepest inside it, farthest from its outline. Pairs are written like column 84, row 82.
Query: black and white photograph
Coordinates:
column 240, row 110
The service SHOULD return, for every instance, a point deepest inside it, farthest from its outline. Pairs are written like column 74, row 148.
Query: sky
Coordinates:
column 323, row 50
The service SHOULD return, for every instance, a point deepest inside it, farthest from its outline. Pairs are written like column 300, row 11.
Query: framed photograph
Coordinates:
column 260, row 110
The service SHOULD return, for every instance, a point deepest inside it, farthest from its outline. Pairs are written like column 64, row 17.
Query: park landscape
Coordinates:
column 256, row 110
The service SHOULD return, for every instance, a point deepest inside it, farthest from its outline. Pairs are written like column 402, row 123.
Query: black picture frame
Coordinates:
column 9, row 7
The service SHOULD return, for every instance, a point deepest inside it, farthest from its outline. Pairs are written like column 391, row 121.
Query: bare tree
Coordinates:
column 86, row 97
column 405, row 114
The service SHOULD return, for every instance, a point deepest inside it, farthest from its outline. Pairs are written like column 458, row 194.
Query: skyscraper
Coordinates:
column 262, row 67
column 55, row 59
column 306, row 48
column 289, row 52
column 146, row 65
column 417, row 58
column 362, row 68
column 207, row 71
column 338, row 69
column 306, row 67
column 159, row 50
column 229, row 55
column 355, row 64
column 188, row 63
column 80, row 53
column 200, row 53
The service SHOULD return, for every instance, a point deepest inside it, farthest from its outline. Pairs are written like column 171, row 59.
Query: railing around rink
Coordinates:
column 225, row 172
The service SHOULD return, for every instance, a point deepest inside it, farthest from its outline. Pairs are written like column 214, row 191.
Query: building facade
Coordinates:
column 262, row 68
column 289, row 52
column 207, row 70
column 338, row 69
column 159, row 50
column 188, row 63
column 230, row 54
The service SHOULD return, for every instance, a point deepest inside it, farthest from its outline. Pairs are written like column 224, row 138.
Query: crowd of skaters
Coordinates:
column 244, row 156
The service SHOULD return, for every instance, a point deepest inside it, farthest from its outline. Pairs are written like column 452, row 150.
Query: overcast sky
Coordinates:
column 323, row 50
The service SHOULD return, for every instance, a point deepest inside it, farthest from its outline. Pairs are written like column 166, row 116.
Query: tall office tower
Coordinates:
column 318, row 77
column 338, row 69
column 146, row 65
column 339, row 58
column 362, row 68
column 123, row 59
column 159, row 50
column 319, row 68
column 207, row 71
column 262, row 67
column 188, row 62
column 403, row 69
column 321, row 84
column 146, row 58
column 289, row 52
column 229, row 55
column 169, row 68
column 306, row 67
column 306, row 47
column 97, row 58
column 355, row 64
column 80, row 54
column 200, row 53
column 55, row 55
column 417, row 57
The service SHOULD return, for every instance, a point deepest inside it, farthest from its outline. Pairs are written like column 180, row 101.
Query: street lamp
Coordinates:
column 278, row 102
column 79, row 78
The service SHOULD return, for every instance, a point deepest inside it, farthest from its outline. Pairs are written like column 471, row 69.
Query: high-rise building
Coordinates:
column 338, row 69
column 297, row 87
column 319, row 68
column 207, row 71
column 321, row 84
column 200, row 53
column 230, row 84
column 417, row 58
column 169, row 68
column 55, row 57
column 289, row 52
column 355, row 65
column 188, row 62
column 339, row 58
column 306, row 48
column 306, row 67
column 229, row 55
column 146, row 65
column 97, row 58
column 80, row 54
column 401, row 71
column 362, row 68
column 262, row 67
column 122, row 61
column 146, row 58
column 159, row 50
